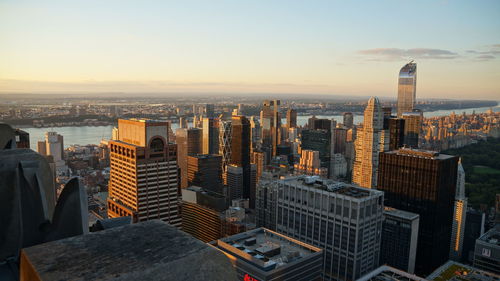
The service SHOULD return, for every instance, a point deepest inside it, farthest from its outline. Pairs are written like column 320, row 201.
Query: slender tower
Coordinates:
column 407, row 85
column 459, row 212
column 370, row 141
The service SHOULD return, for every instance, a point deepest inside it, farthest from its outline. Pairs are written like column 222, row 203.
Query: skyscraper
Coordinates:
column 396, row 128
column 344, row 220
column 370, row 140
column 318, row 140
column 291, row 118
column 205, row 170
column 422, row 182
column 348, row 120
column 210, row 136
column 188, row 143
column 143, row 178
column 270, row 121
column 413, row 124
column 459, row 216
column 407, row 85
column 225, row 137
column 240, row 153
column 399, row 239
column 209, row 110
column 53, row 146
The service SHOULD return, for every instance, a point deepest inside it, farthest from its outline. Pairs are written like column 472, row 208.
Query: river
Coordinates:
column 93, row 135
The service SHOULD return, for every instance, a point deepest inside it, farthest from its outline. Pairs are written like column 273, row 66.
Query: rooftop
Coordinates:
column 387, row 273
column 455, row 271
column 492, row 237
column 428, row 154
column 151, row 250
column 332, row 186
column 265, row 249
column 400, row 213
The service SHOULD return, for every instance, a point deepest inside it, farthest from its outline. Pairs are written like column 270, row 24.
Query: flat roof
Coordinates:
column 400, row 213
column 491, row 237
column 332, row 186
column 265, row 249
column 455, row 271
column 387, row 273
column 428, row 154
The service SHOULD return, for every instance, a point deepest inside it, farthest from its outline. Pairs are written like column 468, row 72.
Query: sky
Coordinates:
column 235, row 46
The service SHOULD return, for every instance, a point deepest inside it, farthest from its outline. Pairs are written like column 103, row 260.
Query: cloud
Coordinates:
column 485, row 57
column 416, row 53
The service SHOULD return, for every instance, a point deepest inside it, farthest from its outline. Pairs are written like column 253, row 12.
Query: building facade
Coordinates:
column 143, row 181
column 422, row 182
column 407, row 86
column 344, row 220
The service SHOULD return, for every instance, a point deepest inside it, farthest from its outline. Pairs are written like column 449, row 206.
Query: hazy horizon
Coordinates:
column 233, row 47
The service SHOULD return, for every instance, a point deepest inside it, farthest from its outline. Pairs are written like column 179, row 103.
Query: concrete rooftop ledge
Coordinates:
column 150, row 250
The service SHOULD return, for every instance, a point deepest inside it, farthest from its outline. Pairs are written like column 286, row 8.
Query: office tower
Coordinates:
column 188, row 143
column 387, row 111
column 53, row 146
column 240, row 153
column 474, row 228
column 318, row 140
column 370, row 140
column 399, row 239
column 396, row 128
column 310, row 164
column 201, row 213
column 183, row 123
column 207, row 217
column 407, row 85
column 422, row 182
column 262, row 254
column 210, row 136
column 348, row 120
column 205, row 170
column 338, row 166
column 291, row 118
column 143, row 178
column 235, row 182
column 459, row 216
column 339, row 138
column 270, row 121
column 255, row 132
column 323, row 124
column 487, row 251
column 225, row 137
column 22, row 138
column 344, row 220
column 209, row 111
column 413, row 124
column 259, row 160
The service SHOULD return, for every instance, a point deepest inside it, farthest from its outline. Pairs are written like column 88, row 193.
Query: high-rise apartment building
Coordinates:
column 371, row 139
column 344, row 220
column 348, row 120
column 143, row 181
column 264, row 255
column 234, row 179
column 310, row 164
column 210, row 136
column 318, row 140
column 422, row 182
column 255, row 132
column 399, row 239
column 459, row 216
column 205, row 170
column 189, row 142
column 407, row 85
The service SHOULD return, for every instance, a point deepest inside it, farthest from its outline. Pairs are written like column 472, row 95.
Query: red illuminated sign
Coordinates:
column 249, row 278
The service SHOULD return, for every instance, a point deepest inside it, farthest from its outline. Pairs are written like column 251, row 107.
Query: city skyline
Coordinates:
column 230, row 48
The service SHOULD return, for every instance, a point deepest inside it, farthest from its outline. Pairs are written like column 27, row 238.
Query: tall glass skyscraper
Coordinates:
column 407, row 86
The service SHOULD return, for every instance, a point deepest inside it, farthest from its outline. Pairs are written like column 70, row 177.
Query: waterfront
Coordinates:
column 94, row 134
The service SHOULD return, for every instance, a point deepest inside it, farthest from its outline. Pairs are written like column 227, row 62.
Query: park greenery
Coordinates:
column 481, row 162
